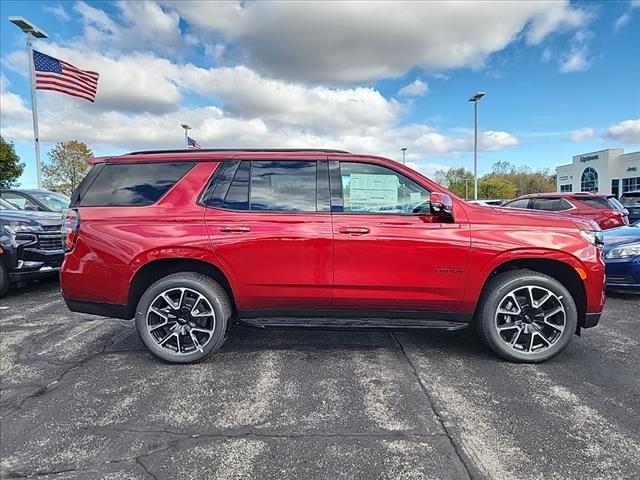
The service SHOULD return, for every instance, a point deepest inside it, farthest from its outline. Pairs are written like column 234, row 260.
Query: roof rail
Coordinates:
column 253, row 150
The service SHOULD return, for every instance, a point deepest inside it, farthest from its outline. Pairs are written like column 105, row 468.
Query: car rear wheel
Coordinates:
column 183, row 317
column 526, row 316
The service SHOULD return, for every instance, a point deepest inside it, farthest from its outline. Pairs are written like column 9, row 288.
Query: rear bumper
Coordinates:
column 112, row 310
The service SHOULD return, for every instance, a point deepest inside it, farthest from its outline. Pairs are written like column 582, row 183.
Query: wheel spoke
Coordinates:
column 182, row 295
column 516, row 336
column 514, row 302
column 543, row 300
column 554, row 326
column 202, row 330
column 169, row 301
column 155, row 327
column 159, row 312
column 553, row 312
column 196, row 344
column 507, row 326
column 165, row 339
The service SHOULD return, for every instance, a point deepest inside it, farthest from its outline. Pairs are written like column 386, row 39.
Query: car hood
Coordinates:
column 43, row 218
column 549, row 218
column 616, row 237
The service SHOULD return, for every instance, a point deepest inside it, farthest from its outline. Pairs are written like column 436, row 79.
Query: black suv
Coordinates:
column 30, row 245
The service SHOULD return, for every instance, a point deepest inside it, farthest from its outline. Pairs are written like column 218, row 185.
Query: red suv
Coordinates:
column 605, row 209
column 187, row 241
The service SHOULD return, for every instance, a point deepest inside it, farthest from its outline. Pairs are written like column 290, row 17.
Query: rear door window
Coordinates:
column 522, row 203
column 133, row 184
column 550, row 204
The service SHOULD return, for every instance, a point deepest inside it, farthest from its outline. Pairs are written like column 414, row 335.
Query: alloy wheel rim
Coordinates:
column 530, row 319
column 181, row 321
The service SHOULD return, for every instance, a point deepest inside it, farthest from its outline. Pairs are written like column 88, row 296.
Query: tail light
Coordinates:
column 613, row 218
column 70, row 229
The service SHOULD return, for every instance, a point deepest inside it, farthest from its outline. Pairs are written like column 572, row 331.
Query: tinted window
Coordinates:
column 595, row 202
column 237, row 198
column 374, row 189
column 283, row 186
column 133, row 184
column 19, row 201
column 550, row 204
column 523, row 203
column 628, row 199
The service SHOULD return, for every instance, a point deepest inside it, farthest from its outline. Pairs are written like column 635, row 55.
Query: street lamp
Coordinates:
column 186, row 133
column 475, row 98
column 32, row 31
column 404, row 151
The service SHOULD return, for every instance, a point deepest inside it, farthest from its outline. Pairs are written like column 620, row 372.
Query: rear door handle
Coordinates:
column 354, row 230
column 238, row 229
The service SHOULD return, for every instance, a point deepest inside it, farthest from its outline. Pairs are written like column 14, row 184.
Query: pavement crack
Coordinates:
column 464, row 459
column 47, row 388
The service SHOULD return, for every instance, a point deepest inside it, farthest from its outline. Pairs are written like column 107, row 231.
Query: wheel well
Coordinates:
column 562, row 272
column 153, row 271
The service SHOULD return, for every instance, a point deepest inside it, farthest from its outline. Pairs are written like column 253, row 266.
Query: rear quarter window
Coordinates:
column 595, row 202
column 133, row 184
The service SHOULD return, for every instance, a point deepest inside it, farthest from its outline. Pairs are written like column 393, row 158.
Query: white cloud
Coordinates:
column 581, row 134
column 547, row 53
column 627, row 131
column 417, row 88
column 59, row 12
column 623, row 19
column 497, row 140
column 141, row 25
column 577, row 59
column 344, row 42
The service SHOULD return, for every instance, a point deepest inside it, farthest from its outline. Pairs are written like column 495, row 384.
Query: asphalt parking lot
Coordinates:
column 81, row 398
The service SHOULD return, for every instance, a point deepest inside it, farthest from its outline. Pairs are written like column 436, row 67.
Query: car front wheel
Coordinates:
column 526, row 316
column 183, row 317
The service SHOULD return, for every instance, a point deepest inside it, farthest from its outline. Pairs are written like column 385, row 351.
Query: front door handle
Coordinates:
column 354, row 230
column 237, row 229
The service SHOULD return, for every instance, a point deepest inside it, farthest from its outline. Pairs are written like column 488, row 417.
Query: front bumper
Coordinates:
column 33, row 264
column 623, row 274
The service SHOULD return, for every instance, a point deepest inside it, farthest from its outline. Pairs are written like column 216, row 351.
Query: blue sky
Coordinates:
column 561, row 78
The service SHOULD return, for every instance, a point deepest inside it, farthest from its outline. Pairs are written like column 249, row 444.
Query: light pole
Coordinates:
column 404, row 152
column 186, row 134
column 475, row 98
column 32, row 31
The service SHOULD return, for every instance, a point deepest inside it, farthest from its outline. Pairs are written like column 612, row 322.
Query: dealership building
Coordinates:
column 604, row 171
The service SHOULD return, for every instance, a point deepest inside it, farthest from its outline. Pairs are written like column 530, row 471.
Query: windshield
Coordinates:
column 55, row 201
column 629, row 199
column 615, row 203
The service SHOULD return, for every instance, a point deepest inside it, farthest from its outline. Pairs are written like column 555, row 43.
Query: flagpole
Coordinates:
column 186, row 134
column 34, row 107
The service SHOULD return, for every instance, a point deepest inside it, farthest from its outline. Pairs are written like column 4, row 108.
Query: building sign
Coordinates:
column 632, row 169
column 565, row 177
column 588, row 158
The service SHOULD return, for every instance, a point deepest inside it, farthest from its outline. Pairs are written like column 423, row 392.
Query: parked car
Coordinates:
column 622, row 258
column 39, row 200
column 604, row 209
column 187, row 241
column 631, row 201
column 31, row 244
column 488, row 203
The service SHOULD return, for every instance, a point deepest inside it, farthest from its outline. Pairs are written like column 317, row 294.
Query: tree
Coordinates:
column 494, row 188
column 66, row 167
column 458, row 180
column 525, row 180
column 10, row 166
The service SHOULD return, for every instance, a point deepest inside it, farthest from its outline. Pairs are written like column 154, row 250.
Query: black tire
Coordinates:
column 496, row 291
column 4, row 280
column 202, row 284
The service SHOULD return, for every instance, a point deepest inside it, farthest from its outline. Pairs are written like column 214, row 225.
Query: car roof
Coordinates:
column 576, row 195
column 209, row 154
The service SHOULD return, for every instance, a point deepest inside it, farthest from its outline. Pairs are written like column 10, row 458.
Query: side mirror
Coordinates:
column 442, row 206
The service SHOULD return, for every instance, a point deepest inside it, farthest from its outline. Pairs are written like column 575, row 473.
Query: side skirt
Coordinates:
column 355, row 320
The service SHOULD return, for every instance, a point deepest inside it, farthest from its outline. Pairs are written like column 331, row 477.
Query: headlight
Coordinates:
column 626, row 251
column 594, row 237
column 15, row 228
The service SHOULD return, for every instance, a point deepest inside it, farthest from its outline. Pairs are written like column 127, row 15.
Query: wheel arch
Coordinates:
column 560, row 269
column 153, row 270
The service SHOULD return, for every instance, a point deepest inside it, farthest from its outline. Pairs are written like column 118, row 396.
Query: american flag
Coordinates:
column 191, row 143
column 58, row 76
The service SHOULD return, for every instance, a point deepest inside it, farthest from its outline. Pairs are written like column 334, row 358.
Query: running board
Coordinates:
column 355, row 323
